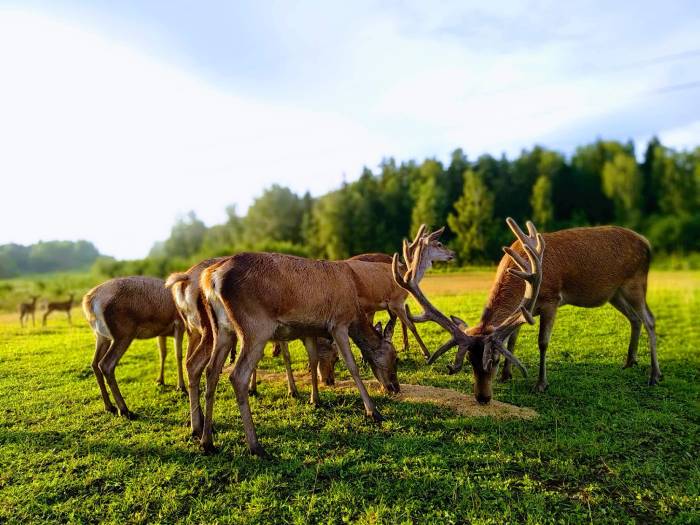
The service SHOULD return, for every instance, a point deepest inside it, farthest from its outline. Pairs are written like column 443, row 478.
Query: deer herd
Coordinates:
column 256, row 298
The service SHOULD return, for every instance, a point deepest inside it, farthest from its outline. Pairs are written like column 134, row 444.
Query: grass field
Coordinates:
column 605, row 447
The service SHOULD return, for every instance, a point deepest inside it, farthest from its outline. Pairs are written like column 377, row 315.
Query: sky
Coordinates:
column 116, row 118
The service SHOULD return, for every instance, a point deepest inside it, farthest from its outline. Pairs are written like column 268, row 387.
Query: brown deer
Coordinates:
column 382, row 293
column 261, row 297
column 27, row 309
column 121, row 310
column 189, row 302
column 586, row 267
column 59, row 306
column 485, row 345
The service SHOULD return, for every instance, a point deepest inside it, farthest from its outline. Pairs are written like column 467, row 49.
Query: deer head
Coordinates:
column 485, row 349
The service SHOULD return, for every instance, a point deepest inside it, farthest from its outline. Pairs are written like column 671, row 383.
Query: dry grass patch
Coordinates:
column 462, row 404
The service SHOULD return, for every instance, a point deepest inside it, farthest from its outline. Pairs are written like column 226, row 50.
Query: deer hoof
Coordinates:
column 654, row 380
column 111, row 410
column 128, row 414
column 293, row 393
column 541, row 386
column 505, row 378
column 160, row 382
column 209, row 449
column 376, row 416
column 258, row 450
column 630, row 363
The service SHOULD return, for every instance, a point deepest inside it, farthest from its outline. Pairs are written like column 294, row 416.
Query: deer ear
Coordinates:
column 389, row 329
column 378, row 327
column 436, row 234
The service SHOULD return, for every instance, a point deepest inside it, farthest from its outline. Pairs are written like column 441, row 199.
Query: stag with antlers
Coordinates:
column 485, row 347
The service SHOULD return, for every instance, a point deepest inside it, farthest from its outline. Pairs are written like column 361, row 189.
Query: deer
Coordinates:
column 121, row 310
column 59, row 306
column 188, row 299
column 261, row 297
column 486, row 343
column 618, row 275
column 384, row 294
column 27, row 309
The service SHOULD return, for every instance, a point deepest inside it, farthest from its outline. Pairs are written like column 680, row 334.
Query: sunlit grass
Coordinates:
column 605, row 448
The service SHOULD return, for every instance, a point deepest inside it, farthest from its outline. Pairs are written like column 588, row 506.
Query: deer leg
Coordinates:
column 634, row 294
column 197, row 359
column 223, row 341
column 43, row 319
column 178, row 335
column 621, row 304
column 107, row 366
column 291, row 385
column 33, row 320
column 650, row 326
column 406, row 322
column 21, row 320
column 251, row 352
column 253, row 384
column 506, row 374
column 547, row 316
column 70, row 320
column 163, row 349
column 340, row 336
column 101, row 347
column 404, row 334
column 312, row 351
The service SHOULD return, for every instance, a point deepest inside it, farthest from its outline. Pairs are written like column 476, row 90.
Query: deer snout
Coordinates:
column 482, row 399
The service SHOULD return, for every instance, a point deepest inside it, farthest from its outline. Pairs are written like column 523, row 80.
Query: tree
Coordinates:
column 623, row 185
column 186, row 238
column 541, row 202
column 430, row 196
column 276, row 215
column 472, row 221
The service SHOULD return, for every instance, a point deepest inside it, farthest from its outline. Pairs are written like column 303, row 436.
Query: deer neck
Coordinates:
column 505, row 296
column 423, row 267
column 364, row 336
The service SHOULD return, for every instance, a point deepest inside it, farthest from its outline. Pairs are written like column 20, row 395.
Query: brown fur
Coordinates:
column 59, row 306
column 259, row 297
column 121, row 310
column 584, row 267
column 27, row 309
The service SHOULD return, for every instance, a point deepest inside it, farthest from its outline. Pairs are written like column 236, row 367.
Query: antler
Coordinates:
column 413, row 254
column 529, row 271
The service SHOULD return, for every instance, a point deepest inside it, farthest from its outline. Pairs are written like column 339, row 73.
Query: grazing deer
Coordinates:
column 59, row 306
column 261, row 297
column 189, row 302
column 382, row 293
column 27, row 309
column 486, row 343
column 586, row 267
column 121, row 310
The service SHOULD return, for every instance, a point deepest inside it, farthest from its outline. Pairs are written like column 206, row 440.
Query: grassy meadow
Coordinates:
column 605, row 448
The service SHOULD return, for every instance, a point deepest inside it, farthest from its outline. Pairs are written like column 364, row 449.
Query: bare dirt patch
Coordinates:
column 461, row 404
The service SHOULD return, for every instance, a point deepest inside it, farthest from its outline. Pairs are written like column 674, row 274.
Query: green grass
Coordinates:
column 605, row 448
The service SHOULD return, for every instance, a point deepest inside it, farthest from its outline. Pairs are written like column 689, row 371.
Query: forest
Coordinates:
column 656, row 193
column 606, row 182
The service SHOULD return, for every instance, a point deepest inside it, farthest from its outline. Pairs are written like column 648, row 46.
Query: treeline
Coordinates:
column 42, row 257
column 601, row 183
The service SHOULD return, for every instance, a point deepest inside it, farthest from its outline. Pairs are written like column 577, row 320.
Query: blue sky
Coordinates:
column 116, row 117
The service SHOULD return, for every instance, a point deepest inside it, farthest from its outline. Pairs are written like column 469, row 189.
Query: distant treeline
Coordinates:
column 601, row 183
column 43, row 257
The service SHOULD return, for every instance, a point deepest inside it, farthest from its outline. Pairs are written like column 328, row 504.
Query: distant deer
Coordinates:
column 261, row 297
column 121, row 310
column 27, row 309
column 59, row 306
column 484, row 345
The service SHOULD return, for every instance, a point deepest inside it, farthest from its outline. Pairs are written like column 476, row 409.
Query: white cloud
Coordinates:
column 104, row 143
